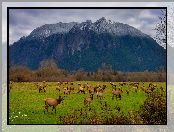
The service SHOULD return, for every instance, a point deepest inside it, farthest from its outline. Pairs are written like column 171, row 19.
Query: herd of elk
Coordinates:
column 91, row 90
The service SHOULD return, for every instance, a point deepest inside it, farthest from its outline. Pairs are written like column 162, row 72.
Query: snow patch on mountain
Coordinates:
column 49, row 29
column 102, row 25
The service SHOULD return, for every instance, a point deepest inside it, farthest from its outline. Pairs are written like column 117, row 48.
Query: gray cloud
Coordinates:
column 23, row 21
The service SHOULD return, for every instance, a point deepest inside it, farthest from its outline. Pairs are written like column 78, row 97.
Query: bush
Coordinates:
column 20, row 74
column 48, row 71
column 154, row 109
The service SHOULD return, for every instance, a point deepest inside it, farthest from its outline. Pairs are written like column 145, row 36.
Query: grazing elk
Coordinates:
column 100, row 94
column 135, row 88
column 116, row 93
column 113, row 85
column 95, row 89
column 71, row 89
column 121, row 83
column 50, row 102
column 41, row 87
column 147, row 90
column 162, row 89
column 67, row 91
column 103, row 87
column 91, row 89
column 81, row 89
column 152, row 86
column 88, row 100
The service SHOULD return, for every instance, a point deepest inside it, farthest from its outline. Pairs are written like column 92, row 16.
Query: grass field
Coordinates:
column 26, row 104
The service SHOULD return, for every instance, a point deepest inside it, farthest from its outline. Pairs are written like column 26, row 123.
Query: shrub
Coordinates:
column 20, row 74
column 154, row 109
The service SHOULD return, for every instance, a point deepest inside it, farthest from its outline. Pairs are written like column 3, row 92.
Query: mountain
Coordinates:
column 87, row 45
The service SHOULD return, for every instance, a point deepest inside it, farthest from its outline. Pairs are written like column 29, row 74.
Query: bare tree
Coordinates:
column 48, row 64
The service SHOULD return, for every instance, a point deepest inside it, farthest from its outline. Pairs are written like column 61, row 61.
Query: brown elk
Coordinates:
column 116, row 93
column 135, row 88
column 71, row 89
column 51, row 102
column 113, row 85
column 152, row 86
column 147, row 90
column 103, row 87
column 67, row 91
column 121, row 83
column 100, row 93
column 88, row 100
column 91, row 89
column 81, row 89
column 41, row 87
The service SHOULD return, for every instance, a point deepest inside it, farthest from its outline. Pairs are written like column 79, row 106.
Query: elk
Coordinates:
column 86, row 85
column 92, row 89
column 81, row 89
column 58, row 88
column 113, row 85
column 67, row 91
column 41, row 87
column 58, row 83
column 66, row 83
column 121, row 83
column 88, row 100
column 71, row 89
column 51, row 102
column 135, row 88
column 95, row 89
column 152, row 86
column 116, row 93
column 162, row 89
column 147, row 90
column 100, row 94
column 103, row 87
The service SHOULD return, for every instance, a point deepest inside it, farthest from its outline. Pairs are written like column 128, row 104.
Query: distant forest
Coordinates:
column 48, row 71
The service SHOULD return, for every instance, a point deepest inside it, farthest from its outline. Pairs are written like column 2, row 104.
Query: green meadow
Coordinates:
column 26, row 104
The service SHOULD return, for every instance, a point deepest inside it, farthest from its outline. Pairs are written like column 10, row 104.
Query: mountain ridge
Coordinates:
column 79, row 44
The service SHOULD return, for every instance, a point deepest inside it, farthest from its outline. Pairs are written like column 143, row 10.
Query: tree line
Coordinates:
column 48, row 71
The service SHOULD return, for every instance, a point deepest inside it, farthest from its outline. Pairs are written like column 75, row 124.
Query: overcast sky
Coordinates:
column 23, row 21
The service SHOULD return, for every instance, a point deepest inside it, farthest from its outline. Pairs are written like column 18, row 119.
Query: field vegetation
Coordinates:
column 26, row 104
column 105, row 96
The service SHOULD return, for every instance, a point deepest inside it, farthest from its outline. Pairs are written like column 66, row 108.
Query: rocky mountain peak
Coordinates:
column 88, row 44
column 101, row 20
